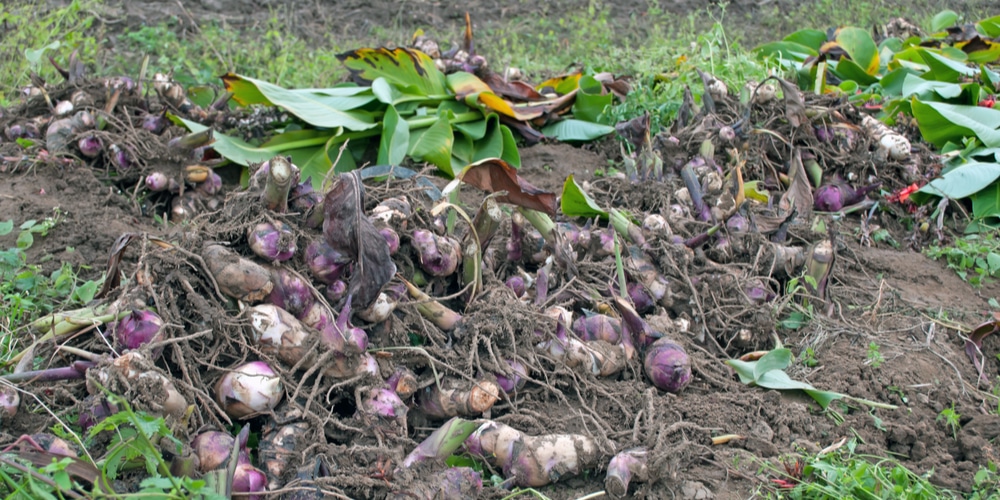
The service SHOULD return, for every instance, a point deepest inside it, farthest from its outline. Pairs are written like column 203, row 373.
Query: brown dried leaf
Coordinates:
column 799, row 193
column 795, row 109
column 515, row 90
column 348, row 230
column 494, row 174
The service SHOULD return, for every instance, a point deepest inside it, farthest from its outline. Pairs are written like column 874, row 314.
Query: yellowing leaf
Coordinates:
column 409, row 69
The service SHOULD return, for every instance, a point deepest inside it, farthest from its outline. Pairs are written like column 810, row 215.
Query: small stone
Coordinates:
column 693, row 490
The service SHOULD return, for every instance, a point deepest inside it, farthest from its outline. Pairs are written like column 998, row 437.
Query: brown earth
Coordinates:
column 911, row 307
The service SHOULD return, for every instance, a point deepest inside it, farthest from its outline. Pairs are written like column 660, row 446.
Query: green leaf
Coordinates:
column 34, row 56
column 25, row 240
column 860, row 48
column 989, row 27
column 824, row 398
column 510, row 154
column 574, row 202
column 892, row 82
column 576, row 130
column 395, row 138
column 942, row 20
column 590, row 101
column 776, row 359
column 789, row 51
column 744, row 369
column 986, row 204
column 923, row 89
column 433, row 144
column 317, row 109
column 990, row 78
column 847, row 69
column 940, row 123
column 231, row 148
column 961, row 182
column 6, row 227
column 24, row 142
column 811, row 38
column 410, row 70
column 491, row 145
column 85, row 292
column 945, row 69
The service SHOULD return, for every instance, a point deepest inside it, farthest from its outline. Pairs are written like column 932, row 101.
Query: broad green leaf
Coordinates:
column 342, row 98
column 590, row 103
column 744, row 369
column 433, row 145
column 473, row 130
column 860, row 47
column 202, row 95
column 383, row 91
column 789, row 51
column 778, row 379
column 942, row 20
column 491, row 145
column 297, row 138
column 940, row 123
column 989, row 27
column 847, row 69
column 410, row 70
column 6, row 227
column 811, row 38
column 575, row 202
column 986, row 204
column 312, row 108
column 576, row 130
column 510, row 154
column 34, row 56
column 892, row 82
column 824, row 398
column 395, row 138
column 925, row 90
column 776, row 359
column 990, row 78
column 231, row 148
column 960, row 182
column 984, row 154
column 945, row 69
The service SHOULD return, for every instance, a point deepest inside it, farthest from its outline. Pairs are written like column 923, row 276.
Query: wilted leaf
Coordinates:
column 463, row 84
column 493, row 174
column 795, row 108
column 348, row 230
column 317, row 109
column 799, row 194
column 561, row 85
column 409, row 69
column 516, row 90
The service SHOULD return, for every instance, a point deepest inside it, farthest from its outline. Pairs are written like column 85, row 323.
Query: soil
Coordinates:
column 913, row 308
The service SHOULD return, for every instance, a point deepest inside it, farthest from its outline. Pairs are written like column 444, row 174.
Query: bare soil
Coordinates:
column 908, row 305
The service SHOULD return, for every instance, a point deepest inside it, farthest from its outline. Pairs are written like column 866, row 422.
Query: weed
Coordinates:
column 135, row 441
column 845, row 474
column 950, row 417
column 874, row 356
column 974, row 257
column 25, row 292
column 809, row 358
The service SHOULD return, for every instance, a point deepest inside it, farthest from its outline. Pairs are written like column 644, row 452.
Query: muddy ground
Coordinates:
column 895, row 297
